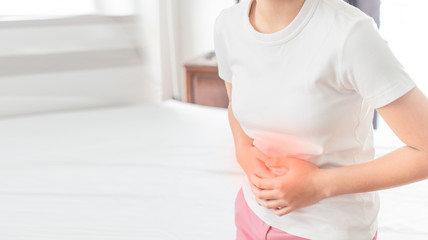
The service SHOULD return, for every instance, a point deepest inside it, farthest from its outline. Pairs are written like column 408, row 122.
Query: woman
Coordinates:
column 306, row 77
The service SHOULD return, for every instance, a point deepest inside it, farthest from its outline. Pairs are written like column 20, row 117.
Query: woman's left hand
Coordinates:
column 299, row 187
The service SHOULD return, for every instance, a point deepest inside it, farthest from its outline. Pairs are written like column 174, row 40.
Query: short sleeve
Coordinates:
column 220, row 50
column 370, row 68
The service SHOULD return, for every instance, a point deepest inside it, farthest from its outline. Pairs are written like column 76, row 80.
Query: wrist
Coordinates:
column 325, row 184
column 242, row 153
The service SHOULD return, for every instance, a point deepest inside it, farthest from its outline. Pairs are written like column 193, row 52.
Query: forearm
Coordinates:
column 402, row 166
column 248, row 156
column 241, row 139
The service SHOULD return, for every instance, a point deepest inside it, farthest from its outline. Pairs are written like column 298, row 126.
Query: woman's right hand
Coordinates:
column 252, row 161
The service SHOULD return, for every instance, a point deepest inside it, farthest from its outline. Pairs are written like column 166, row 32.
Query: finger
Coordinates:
column 255, row 190
column 274, row 162
column 278, row 171
column 283, row 211
column 262, row 183
column 271, row 204
column 259, row 154
column 264, row 194
column 264, row 172
column 278, row 162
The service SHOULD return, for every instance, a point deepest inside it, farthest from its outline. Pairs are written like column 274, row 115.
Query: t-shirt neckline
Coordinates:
column 287, row 33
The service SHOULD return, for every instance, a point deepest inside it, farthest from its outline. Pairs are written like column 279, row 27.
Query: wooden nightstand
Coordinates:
column 203, row 84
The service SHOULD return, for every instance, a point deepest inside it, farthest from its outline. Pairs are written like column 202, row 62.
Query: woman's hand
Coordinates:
column 299, row 187
column 252, row 161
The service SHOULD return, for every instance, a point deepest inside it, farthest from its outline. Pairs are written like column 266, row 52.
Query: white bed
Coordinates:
column 155, row 172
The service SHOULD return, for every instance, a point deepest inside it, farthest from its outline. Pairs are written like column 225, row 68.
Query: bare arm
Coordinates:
column 248, row 156
column 408, row 118
column 241, row 139
column 305, row 184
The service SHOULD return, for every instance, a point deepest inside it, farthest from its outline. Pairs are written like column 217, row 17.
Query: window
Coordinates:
column 33, row 9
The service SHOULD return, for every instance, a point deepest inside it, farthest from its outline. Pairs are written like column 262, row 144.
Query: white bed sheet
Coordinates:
column 153, row 172
column 140, row 172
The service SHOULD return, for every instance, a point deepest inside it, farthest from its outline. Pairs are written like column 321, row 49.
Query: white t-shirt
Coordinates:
column 309, row 91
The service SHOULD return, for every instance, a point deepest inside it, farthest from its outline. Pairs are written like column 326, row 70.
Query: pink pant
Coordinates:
column 250, row 227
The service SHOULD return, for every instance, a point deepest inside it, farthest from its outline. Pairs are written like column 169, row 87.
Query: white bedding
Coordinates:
column 140, row 172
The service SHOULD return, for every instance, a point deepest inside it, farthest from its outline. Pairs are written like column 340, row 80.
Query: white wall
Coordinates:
column 155, row 44
column 77, row 62
column 95, row 61
column 402, row 25
column 193, row 28
column 66, row 90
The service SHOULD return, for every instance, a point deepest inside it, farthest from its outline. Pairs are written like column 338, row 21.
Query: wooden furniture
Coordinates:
column 203, row 84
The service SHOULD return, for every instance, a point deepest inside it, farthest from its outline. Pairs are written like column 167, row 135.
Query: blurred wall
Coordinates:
column 95, row 61
column 155, row 44
column 192, row 29
column 71, row 63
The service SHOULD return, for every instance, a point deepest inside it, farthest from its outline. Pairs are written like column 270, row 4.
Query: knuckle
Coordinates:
column 276, row 205
column 275, row 159
column 256, row 184
column 265, row 204
column 264, row 197
column 287, row 212
column 256, row 194
column 270, row 205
